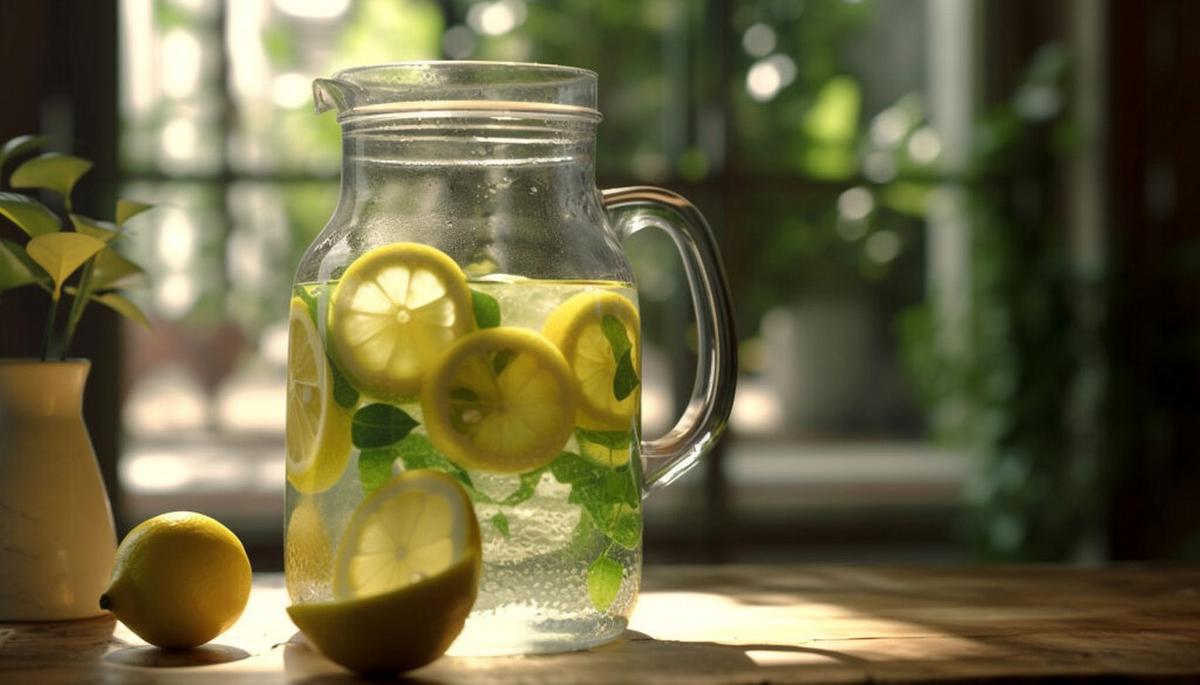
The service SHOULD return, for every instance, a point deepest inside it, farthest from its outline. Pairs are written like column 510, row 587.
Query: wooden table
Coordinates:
column 734, row 624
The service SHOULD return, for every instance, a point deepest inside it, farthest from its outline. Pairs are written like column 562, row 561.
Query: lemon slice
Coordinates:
column 307, row 552
column 405, row 578
column 318, row 431
column 576, row 327
column 414, row 527
column 500, row 400
column 393, row 313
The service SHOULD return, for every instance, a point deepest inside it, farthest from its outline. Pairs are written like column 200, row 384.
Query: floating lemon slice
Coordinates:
column 394, row 311
column 414, row 527
column 577, row 328
column 501, row 400
column 318, row 431
column 406, row 577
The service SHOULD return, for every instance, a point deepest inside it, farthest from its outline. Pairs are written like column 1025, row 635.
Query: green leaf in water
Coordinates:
column 626, row 378
column 603, row 582
column 379, row 425
column 570, row 468
column 416, row 452
column 627, row 530
column 375, row 468
column 500, row 521
column 618, row 338
column 529, row 483
column 343, row 393
column 613, row 440
column 487, row 310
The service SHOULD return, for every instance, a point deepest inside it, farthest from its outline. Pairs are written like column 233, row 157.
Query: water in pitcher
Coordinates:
column 557, row 493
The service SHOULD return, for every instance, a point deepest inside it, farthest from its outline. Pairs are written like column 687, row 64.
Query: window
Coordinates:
column 791, row 124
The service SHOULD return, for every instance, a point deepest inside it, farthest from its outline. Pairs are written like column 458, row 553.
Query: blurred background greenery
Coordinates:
column 915, row 203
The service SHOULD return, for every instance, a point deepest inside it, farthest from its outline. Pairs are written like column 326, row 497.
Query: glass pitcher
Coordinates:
column 470, row 255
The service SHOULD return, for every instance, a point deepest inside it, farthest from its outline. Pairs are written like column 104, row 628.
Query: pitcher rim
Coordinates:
column 567, row 75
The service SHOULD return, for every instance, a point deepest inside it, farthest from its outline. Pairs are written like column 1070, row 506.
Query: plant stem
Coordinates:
column 81, row 297
column 49, row 331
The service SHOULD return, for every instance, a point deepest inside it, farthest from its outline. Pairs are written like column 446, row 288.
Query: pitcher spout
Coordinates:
column 335, row 94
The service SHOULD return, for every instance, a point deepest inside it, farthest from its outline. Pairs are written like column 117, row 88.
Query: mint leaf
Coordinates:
column 529, row 483
column 500, row 521
column 614, row 332
column 613, row 440
column 584, row 538
column 375, row 468
column 603, row 582
column 487, row 310
column 416, row 452
column 619, row 486
column 627, row 531
column 379, row 425
column 502, row 358
column 569, row 468
column 626, row 378
column 343, row 393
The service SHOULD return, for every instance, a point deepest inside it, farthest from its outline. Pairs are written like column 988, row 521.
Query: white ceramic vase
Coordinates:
column 57, row 540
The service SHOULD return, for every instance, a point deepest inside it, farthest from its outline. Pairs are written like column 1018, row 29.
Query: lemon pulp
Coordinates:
column 392, row 314
column 576, row 328
column 317, row 430
column 405, row 577
column 413, row 527
column 500, row 400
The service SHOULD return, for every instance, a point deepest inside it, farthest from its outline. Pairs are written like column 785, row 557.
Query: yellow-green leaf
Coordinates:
column 51, row 171
column 123, row 306
column 28, row 214
column 111, row 270
column 127, row 209
column 18, row 145
column 60, row 254
column 103, row 231
column 16, row 268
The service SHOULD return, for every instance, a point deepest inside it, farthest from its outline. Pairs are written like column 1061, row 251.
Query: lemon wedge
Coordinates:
column 413, row 527
column 393, row 312
column 500, row 400
column 318, row 431
column 405, row 578
column 576, row 327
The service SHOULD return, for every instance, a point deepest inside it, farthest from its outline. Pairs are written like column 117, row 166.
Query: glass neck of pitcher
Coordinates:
column 476, row 159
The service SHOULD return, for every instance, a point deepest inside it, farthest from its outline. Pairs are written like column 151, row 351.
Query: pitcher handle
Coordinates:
column 632, row 209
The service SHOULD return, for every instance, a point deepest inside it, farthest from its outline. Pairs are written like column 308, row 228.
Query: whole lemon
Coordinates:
column 180, row 579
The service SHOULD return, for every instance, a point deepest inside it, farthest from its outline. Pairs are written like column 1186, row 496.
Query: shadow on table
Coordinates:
column 628, row 659
column 156, row 657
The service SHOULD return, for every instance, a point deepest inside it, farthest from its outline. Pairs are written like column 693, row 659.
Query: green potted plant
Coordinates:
column 59, row 539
